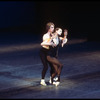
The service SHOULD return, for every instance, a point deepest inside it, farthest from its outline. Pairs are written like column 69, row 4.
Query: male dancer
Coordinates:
column 44, row 50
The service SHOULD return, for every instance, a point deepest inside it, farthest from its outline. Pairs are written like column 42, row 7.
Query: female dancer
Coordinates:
column 53, row 53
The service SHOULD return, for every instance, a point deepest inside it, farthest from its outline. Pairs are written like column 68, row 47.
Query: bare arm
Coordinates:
column 48, row 42
column 64, row 42
column 64, row 39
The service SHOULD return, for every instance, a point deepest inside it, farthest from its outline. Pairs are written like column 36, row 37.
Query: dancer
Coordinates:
column 44, row 50
column 53, row 53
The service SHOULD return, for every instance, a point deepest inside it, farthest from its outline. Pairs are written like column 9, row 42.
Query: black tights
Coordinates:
column 43, row 56
column 57, row 65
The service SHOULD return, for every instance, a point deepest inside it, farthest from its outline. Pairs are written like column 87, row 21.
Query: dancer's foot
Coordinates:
column 55, row 79
column 43, row 82
column 50, row 81
column 56, row 83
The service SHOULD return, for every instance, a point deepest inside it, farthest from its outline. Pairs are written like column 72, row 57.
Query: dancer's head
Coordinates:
column 58, row 31
column 50, row 27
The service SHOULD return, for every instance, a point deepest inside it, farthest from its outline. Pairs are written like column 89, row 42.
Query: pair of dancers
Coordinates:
column 49, row 53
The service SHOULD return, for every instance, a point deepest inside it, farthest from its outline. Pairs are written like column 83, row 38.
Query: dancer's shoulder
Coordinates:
column 45, row 36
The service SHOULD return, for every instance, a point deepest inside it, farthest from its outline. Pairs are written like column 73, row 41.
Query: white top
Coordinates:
column 56, row 40
column 46, row 39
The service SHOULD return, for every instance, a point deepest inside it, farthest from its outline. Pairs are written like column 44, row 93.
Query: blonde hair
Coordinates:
column 48, row 25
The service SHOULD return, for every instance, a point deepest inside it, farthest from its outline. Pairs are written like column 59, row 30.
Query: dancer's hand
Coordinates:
column 53, row 44
column 64, row 41
column 65, row 32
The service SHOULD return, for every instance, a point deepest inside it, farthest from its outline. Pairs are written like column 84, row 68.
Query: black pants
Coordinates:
column 57, row 65
column 43, row 56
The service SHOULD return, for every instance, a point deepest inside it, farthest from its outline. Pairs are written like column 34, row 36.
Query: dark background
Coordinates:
column 26, row 20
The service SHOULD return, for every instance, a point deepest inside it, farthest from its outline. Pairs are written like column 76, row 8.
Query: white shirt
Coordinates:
column 56, row 40
column 46, row 39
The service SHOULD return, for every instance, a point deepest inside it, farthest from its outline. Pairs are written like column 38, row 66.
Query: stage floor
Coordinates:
column 21, row 67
